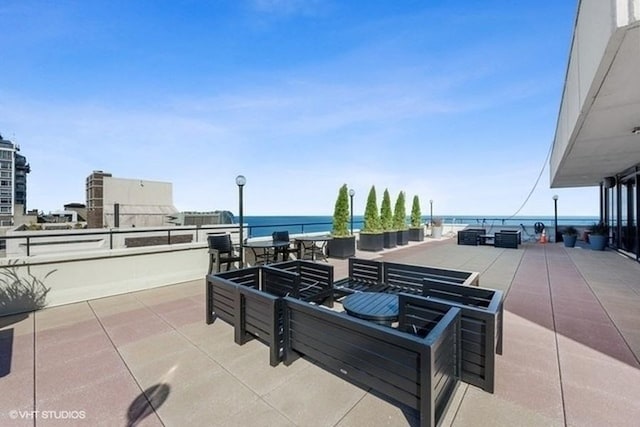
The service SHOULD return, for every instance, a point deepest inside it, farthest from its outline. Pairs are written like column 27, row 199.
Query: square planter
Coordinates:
column 390, row 239
column 436, row 232
column 416, row 234
column 403, row 237
column 371, row 241
column 341, row 247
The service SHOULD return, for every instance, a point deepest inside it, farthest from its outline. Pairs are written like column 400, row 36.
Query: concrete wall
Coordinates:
column 142, row 203
column 79, row 277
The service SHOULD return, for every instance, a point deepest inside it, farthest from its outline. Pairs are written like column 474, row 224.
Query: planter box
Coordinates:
column 341, row 247
column 371, row 242
column 569, row 241
column 403, row 237
column 416, row 234
column 436, row 232
column 390, row 239
column 598, row 242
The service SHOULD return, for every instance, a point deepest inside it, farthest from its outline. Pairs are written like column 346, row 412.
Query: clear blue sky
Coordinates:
column 452, row 101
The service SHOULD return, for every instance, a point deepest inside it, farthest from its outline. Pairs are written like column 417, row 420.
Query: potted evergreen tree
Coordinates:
column 599, row 236
column 343, row 244
column 386, row 219
column 416, row 231
column 569, row 236
column 371, row 237
column 400, row 220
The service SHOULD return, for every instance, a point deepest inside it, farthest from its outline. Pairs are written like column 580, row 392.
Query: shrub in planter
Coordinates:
column 386, row 219
column 416, row 231
column 343, row 244
column 569, row 236
column 599, row 236
column 371, row 237
column 400, row 220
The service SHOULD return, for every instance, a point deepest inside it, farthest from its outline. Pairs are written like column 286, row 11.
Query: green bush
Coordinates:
column 341, row 213
column 416, row 215
column 386, row 217
column 371, row 218
column 400, row 213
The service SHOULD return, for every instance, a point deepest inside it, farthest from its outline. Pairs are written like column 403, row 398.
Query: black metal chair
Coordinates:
column 222, row 251
column 283, row 236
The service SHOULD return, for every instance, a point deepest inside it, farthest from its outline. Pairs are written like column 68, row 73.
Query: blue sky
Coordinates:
column 452, row 101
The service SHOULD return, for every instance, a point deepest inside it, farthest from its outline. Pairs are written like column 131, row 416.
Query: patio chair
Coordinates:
column 283, row 236
column 222, row 251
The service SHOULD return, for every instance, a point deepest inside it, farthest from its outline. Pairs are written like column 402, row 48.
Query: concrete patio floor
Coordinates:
column 571, row 355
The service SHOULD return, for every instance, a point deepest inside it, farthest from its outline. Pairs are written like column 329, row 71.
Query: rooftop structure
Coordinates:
column 138, row 202
column 597, row 141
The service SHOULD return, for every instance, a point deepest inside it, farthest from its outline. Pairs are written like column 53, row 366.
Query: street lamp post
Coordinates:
column 352, row 193
column 431, row 213
column 555, row 216
column 240, row 182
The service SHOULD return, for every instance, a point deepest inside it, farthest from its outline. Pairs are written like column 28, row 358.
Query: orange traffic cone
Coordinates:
column 543, row 238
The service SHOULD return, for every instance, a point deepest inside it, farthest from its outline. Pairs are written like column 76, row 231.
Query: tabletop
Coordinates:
column 314, row 238
column 266, row 244
column 376, row 306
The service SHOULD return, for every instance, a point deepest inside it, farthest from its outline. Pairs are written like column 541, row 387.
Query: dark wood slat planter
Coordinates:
column 341, row 247
column 403, row 237
column 482, row 317
column 371, row 242
column 416, row 365
column 416, row 234
column 390, row 239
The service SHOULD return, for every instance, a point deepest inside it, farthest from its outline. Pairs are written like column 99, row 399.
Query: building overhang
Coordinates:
column 597, row 139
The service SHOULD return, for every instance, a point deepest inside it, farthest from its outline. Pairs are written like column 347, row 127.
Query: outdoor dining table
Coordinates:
column 269, row 249
column 377, row 307
column 315, row 245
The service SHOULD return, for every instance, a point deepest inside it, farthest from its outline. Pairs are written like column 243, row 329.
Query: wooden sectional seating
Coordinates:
column 416, row 364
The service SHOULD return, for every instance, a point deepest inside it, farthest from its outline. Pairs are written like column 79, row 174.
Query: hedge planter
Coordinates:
column 416, row 234
column 569, row 241
column 371, row 241
column 403, row 237
column 598, row 242
column 341, row 247
column 390, row 239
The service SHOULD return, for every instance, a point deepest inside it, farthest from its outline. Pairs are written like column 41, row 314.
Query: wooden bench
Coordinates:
column 315, row 280
column 469, row 236
column 416, row 365
column 482, row 317
column 377, row 276
column 507, row 239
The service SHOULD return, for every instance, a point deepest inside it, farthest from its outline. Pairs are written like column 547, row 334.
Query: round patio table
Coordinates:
column 266, row 246
column 377, row 307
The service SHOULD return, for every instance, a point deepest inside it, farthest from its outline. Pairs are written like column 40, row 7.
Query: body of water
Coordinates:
column 260, row 226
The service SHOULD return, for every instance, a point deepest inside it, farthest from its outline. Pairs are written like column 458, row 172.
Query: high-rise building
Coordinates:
column 95, row 199
column 13, row 181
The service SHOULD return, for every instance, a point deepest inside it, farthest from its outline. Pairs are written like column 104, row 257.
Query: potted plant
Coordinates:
column 400, row 220
column 436, row 228
column 371, row 237
column 416, row 231
column 599, row 236
column 390, row 236
column 343, row 244
column 569, row 236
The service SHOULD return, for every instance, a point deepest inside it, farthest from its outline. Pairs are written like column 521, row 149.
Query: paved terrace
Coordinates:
column 571, row 355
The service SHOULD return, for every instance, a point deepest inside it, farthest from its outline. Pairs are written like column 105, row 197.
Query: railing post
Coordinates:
column 168, row 237
column 110, row 238
column 28, row 247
